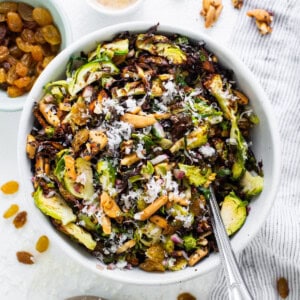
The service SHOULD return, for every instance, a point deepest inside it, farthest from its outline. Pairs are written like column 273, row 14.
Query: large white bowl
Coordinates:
column 61, row 21
column 265, row 146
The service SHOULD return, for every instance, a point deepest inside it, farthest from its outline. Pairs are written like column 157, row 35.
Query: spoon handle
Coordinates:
column 237, row 288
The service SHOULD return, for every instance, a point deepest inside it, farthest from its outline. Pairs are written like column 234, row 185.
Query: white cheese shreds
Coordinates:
column 231, row 141
column 98, row 108
column 137, row 216
column 81, row 178
column 207, row 150
column 121, row 264
column 170, row 92
column 140, row 151
column 162, row 108
column 131, row 198
column 170, row 184
column 187, row 220
column 153, row 189
column 108, row 104
column 116, row 133
column 130, row 104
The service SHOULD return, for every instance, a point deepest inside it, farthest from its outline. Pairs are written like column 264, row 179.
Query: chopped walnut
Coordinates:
column 263, row 20
column 211, row 10
column 237, row 3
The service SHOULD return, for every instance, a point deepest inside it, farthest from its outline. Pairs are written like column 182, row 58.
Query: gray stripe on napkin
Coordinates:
column 275, row 60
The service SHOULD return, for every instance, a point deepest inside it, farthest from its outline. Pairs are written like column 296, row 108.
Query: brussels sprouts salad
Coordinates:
column 124, row 150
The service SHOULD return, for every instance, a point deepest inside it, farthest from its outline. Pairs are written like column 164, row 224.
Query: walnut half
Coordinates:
column 211, row 10
column 263, row 20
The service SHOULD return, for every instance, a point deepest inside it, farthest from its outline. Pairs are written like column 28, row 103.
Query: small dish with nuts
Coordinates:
column 32, row 33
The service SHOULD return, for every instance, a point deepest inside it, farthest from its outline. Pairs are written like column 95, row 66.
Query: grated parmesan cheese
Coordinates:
column 170, row 92
column 81, row 178
column 116, row 133
column 207, row 151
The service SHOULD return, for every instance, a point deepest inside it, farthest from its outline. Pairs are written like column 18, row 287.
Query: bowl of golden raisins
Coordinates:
column 32, row 33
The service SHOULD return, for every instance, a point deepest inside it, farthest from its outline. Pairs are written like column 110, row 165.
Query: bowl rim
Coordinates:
column 55, row 5
column 114, row 12
column 120, row 275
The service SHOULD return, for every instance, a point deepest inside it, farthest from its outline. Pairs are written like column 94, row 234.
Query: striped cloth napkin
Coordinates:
column 275, row 60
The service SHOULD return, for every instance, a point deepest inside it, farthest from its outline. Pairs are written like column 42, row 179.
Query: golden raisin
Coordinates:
column 3, row 75
column 25, row 257
column 21, row 69
column 14, row 22
column 47, row 60
column 20, row 219
column 3, row 53
column 8, row 6
column 37, row 53
column 25, row 11
column 27, row 60
column 11, row 75
column 22, row 82
column 27, row 35
column 2, row 18
column 29, row 86
column 11, row 211
column 51, row 34
column 42, row 244
column 282, row 287
column 38, row 36
column 10, row 187
column 11, row 60
column 42, row 16
column 24, row 46
column 15, row 52
column 13, row 91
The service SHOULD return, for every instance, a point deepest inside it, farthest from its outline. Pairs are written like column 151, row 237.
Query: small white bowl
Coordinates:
column 63, row 24
column 265, row 146
column 95, row 4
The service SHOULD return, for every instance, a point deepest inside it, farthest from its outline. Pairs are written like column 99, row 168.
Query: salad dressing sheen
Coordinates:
column 116, row 4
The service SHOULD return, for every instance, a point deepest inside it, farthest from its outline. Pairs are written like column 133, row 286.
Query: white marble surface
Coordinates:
column 55, row 275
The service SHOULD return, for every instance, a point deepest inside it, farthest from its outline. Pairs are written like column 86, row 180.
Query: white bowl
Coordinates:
column 63, row 24
column 114, row 11
column 265, row 141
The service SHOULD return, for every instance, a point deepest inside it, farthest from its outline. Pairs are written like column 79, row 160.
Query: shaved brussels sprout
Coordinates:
column 251, row 185
column 54, row 206
column 233, row 213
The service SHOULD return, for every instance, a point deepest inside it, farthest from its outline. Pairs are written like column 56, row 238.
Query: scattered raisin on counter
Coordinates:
column 186, row 296
column 11, row 211
column 282, row 287
column 10, row 187
column 42, row 244
column 25, row 257
column 20, row 219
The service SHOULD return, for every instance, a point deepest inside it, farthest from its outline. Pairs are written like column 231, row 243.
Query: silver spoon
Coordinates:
column 237, row 288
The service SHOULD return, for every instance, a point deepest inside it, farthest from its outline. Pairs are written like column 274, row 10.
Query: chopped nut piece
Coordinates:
column 237, row 3
column 129, row 244
column 263, row 20
column 211, row 10
column 197, row 256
